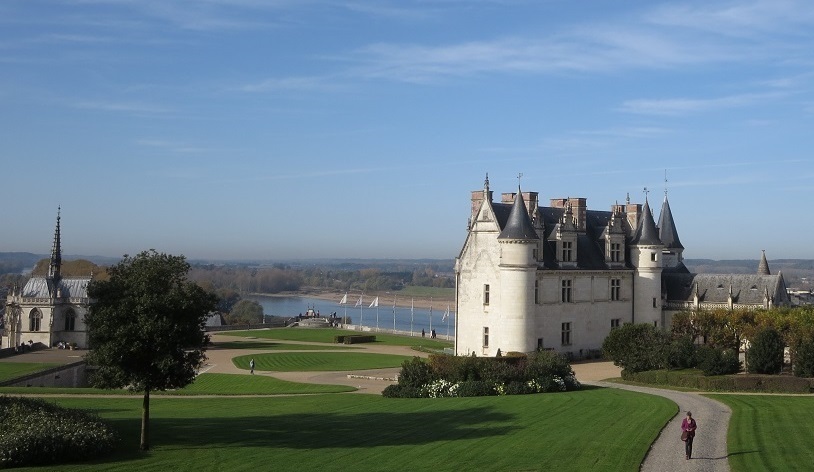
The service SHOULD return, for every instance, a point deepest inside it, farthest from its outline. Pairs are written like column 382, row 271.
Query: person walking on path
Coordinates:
column 688, row 427
column 251, row 365
column 711, row 453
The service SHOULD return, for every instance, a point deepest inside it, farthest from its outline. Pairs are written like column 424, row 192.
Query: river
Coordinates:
column 384, row 316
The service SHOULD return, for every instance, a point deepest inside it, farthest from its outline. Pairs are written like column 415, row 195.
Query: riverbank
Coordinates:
column 385, row 298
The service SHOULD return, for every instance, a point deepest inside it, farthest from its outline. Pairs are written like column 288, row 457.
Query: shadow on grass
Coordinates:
column 312, row 431
column 244, row 345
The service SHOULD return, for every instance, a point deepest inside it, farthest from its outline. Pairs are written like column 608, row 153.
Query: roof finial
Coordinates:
column 665, row 184
column 646, row 192
column 486, row 183
column 519, row 176
column 627, row 198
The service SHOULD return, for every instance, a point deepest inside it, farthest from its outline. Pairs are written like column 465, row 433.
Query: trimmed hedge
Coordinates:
column 35, row 432
column 722, row 383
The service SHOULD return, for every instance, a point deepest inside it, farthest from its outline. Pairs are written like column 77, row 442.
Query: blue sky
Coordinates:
column 236, row 129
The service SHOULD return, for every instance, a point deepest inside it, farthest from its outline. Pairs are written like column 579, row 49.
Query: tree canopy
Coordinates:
column 245, row 312
column 146, row 327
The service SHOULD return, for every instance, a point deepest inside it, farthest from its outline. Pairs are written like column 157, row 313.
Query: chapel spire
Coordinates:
column 55, row 267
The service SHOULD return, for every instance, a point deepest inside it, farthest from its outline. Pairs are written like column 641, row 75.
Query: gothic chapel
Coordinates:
column 49, row 309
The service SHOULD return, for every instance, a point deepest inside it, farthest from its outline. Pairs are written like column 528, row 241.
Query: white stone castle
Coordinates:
column 561, row 277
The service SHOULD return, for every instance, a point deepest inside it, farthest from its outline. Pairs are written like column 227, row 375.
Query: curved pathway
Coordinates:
column 667, row 451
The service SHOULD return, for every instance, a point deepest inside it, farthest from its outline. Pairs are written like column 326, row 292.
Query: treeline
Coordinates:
column 230, row 282
column 286, row 278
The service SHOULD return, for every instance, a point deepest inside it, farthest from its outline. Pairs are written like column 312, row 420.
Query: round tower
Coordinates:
column 518, row 269
column 646, row 255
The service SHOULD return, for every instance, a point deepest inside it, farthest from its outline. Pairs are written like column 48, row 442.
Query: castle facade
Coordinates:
column 562, row 276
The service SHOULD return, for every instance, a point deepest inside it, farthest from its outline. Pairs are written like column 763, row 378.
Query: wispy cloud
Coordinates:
column 124, row 107
column 684, row 106
column 290, row 84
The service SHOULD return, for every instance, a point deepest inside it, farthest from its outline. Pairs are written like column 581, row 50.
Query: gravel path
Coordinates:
column 667, row 451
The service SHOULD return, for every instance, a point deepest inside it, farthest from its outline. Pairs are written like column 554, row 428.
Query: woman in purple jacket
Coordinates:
column 688, row 426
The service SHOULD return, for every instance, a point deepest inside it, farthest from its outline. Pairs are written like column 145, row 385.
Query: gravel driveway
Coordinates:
column 667, row 451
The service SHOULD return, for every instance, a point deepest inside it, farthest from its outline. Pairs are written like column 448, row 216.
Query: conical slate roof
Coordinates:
column 647, row 234
column 518, row 226
column 763, row 267
column 667, row 227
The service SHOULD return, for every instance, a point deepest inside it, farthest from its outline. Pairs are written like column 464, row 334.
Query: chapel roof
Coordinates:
column 44, row 287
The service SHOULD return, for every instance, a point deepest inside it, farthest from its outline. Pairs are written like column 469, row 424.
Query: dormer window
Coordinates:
column 616, row 252
column 567, row 251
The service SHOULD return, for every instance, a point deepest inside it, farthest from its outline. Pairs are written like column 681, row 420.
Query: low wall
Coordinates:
column 70, row 375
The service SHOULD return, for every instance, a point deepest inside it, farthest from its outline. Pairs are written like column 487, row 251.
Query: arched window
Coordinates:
column 70, row 320
column 34, row 319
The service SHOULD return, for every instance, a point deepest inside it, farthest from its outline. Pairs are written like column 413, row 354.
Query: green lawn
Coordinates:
column 12, row 370
column 240, row 384
column 204, row 384
column 596, row 430
column 319, row 361
column 269, row 345
column 770, row 432
column 326, row 335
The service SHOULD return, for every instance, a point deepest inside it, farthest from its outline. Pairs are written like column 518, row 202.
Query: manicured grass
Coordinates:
column 326, row 335
column 269, row 345
column 319, row 361
column 204, row 384
column 12, row 370
column 597, row 430
column 770, row 432
column 240, row 384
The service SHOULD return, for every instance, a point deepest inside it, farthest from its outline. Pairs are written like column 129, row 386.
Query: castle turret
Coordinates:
column 646, row 256
column 763, row 267
column 673, row 250
column 518, row 266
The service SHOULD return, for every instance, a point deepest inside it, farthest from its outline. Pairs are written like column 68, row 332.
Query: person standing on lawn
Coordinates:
column 688, row 427
column 251, row 365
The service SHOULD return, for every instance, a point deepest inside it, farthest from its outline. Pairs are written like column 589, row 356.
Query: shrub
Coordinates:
column 475, row 388
column 636, row 347
column 500, row 370
column 415, row 373
column 804, row 359
column 766, row 354
column 34, row 432
column 681, row 353
column 547, row 364
column 715, row 361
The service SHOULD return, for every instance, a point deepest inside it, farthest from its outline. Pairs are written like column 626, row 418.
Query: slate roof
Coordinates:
column 747, row 289
column 667, row 227
column 43, row 287
column 590, row 250
column 646, row 233
column 763, row 267
column 518, row 224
